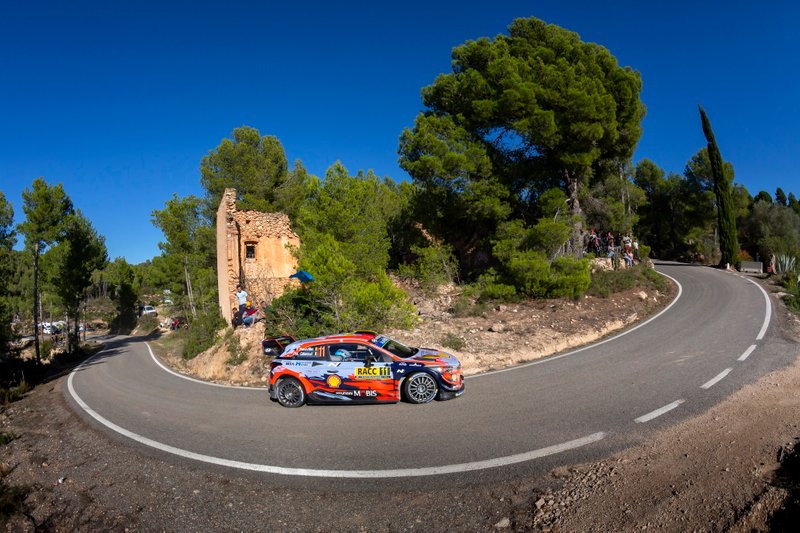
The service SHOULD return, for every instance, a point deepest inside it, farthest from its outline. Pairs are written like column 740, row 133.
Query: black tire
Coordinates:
column 290, row 392
column 420, row 388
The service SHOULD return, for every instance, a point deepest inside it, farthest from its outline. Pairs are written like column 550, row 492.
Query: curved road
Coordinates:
column 715, row 337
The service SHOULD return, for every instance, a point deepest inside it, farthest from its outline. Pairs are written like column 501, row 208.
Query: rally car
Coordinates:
column 362, row 367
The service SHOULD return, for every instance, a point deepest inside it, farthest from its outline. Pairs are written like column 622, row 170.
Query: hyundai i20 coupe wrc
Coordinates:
column 362, row 367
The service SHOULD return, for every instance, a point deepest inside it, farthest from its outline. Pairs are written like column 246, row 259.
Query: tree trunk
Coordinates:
column 36, row 302
column 576, row 239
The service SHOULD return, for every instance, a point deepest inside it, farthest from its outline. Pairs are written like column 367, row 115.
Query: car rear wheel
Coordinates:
column 290, row 392
column 420, row 388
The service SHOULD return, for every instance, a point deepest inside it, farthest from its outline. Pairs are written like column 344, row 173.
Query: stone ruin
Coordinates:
column 254, row 250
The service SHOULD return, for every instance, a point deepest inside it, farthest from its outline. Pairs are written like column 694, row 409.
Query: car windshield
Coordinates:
column 397, row 348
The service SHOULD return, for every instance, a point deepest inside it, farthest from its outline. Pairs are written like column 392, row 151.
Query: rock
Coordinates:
column 539, row 503
column 497, row 328
column 503, row 524
column 642, row 295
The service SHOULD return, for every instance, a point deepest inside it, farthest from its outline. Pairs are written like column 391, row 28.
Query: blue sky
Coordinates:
column 119, row 101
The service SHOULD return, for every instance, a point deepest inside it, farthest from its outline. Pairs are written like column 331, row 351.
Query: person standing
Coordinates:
column 241, row 295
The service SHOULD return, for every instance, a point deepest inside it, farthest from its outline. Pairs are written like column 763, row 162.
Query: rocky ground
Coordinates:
column 693, row 476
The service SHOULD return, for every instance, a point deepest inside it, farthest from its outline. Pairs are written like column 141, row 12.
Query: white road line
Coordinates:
column 747, row 353
column 587, row 347
column 310, row 472
column 767, row 311
column 716, row 379
column 188, row 378
column 658, row 412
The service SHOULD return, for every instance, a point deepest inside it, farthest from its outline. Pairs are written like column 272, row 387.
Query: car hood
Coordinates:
column 430, row 355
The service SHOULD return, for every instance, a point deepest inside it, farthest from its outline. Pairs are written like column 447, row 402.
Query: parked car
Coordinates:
column 274, row 346
column 362, row 367
column 147, row 310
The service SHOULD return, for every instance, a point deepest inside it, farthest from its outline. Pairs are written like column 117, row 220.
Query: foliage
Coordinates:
column 435, row 265
column 256, row 166
column 7, row 241
column 6, row 437
column 343, row 226
column 77, row 256
column 607, row 282
column 238, row 354
column 453, row 341
column 502, row 128
column 14, row 393
column 190, row 246
column 148, row 323
column 45, row 208
column 124, row 293
column 726, row 217
column 355, row 211
column 771, row 229
column 12, row 500
column 528, row 266
column 785, row 264
column 202, row 333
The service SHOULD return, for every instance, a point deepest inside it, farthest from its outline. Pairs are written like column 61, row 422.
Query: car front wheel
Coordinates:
column 290, row 392
column 420, row 388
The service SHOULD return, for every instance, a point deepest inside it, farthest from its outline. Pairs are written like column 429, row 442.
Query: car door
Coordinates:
column 366, row 376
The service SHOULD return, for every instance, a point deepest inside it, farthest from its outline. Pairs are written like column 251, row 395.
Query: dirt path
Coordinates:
column 735, row 467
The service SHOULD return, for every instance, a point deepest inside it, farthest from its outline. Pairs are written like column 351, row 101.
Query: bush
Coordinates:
column 644, row 251
column 238, row 354
column 13, row 394
column 453, row 341
column 570, row 278
column 12, row 500
column 148, row 323
column 607, row 282
column 6, row 437
column 202, row 333
column 435, row 265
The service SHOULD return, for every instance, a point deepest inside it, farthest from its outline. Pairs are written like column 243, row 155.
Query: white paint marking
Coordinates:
column 658, row 412
column 767, row 311
column 573, row 352
column 747, row 353
column 716, row 379
column 310, row 472
column 166, row 369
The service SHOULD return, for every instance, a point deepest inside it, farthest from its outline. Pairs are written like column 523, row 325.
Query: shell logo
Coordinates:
column 333, row 381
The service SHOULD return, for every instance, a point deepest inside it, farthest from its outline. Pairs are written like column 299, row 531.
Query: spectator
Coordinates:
column 250, row 315
column 241, row 295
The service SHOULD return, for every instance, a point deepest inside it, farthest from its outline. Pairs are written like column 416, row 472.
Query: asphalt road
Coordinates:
column 570, row 408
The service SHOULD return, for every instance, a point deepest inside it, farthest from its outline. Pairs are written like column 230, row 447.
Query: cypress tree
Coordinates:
column 726, row 218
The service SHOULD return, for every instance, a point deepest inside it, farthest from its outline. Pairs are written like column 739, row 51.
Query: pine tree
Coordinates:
column 726, row 217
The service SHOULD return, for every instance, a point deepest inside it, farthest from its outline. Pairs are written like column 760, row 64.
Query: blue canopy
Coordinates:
column 302, row 276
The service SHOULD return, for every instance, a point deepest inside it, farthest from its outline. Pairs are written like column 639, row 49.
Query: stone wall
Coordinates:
column 254, row 249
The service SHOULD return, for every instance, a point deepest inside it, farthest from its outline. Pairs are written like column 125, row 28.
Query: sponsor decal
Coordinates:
column 373, row 372
column 333, row 381
column 358, row 393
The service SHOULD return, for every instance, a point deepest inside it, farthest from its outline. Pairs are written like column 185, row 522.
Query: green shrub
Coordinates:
column 46, row 349
column 453, row 341
column 148, row 323
column 785, row 263
column 202, row 333
column 435, row 265
column 238, row 354
column 570, row 278
column 6, row 437
column 607, row 282
column 12, row 500
column 644, row 251
column 13, row 394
